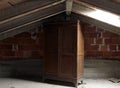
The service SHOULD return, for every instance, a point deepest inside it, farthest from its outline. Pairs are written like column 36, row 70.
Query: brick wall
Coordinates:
column 22, row 45
column 98, row 43
column 101, row 43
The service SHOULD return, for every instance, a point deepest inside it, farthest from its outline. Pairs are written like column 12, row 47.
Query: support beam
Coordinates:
column 69, row 4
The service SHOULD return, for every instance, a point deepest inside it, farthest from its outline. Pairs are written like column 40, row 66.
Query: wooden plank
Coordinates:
column 69, row 4
column 4, row 4
column 25, row 7
column 7, row 28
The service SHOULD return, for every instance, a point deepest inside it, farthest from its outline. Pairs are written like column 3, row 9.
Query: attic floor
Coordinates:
column 90, row 83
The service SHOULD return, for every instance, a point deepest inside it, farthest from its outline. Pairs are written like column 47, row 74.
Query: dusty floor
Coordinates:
column 90, row 83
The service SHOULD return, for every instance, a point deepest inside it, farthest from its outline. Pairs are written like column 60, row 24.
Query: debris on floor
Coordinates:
column 114, row 80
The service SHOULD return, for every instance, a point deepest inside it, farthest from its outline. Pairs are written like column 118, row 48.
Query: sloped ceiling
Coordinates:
column 88, row 11
column 22, row 17
column 8, row 3
column 117, row 1
column 16, row 17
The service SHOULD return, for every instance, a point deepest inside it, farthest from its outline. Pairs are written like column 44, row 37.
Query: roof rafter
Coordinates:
column 40, row 11
column 27, row 15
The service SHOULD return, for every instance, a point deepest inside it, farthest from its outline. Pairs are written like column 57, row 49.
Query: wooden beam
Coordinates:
column 108, row 5
column 28, row 15
column 118, row 1
column 69, row 4
column 97, row 23
column 83, row 12
column 13, row 25
column 26, row 9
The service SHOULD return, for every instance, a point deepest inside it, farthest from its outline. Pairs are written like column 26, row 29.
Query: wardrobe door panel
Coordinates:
column 51, row 63
column 67, row 55
column 51, row 51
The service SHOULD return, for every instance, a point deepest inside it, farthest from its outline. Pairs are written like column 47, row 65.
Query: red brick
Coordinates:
column 113, row 47
column 25, row 41
column 28, row 47
column 8, row 53
column 104, row 48
column 84, row 23
column 27, row 53
column 119, row 47
column 110, row 34
column 115, row 41
column 99, row 40
column 1, row 57
column 19, row 53
column 23, row 35
column 92, row 35
column 1, row 42
column 91, row 47
column 41, row 34
column 115, row 54
column 88, row 40
column 40, row 41
column 108, row 41
column 100, row 30
column 107, row 54
column 9, row 40
column 89, row 28
column 114, row 58
column 6, row 46
column 93, row 54
column 38, row 53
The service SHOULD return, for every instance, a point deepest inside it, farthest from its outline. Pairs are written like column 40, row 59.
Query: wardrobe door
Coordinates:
column 51, row 51
column 67, row 51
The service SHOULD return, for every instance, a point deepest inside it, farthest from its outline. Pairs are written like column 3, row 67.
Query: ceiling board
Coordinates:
column 13, row 24
column 8, row 3
column 90, row 13
column 118, row 1
column 13, row 2
column 4, row 4
column 107, row 5
column 13, row 19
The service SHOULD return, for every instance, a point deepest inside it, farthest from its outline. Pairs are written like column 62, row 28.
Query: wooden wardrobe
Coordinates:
column 64, row 52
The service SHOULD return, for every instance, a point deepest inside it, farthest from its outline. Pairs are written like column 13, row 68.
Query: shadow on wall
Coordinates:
column 101, row 68
column 93, row 68
column 19, row 68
